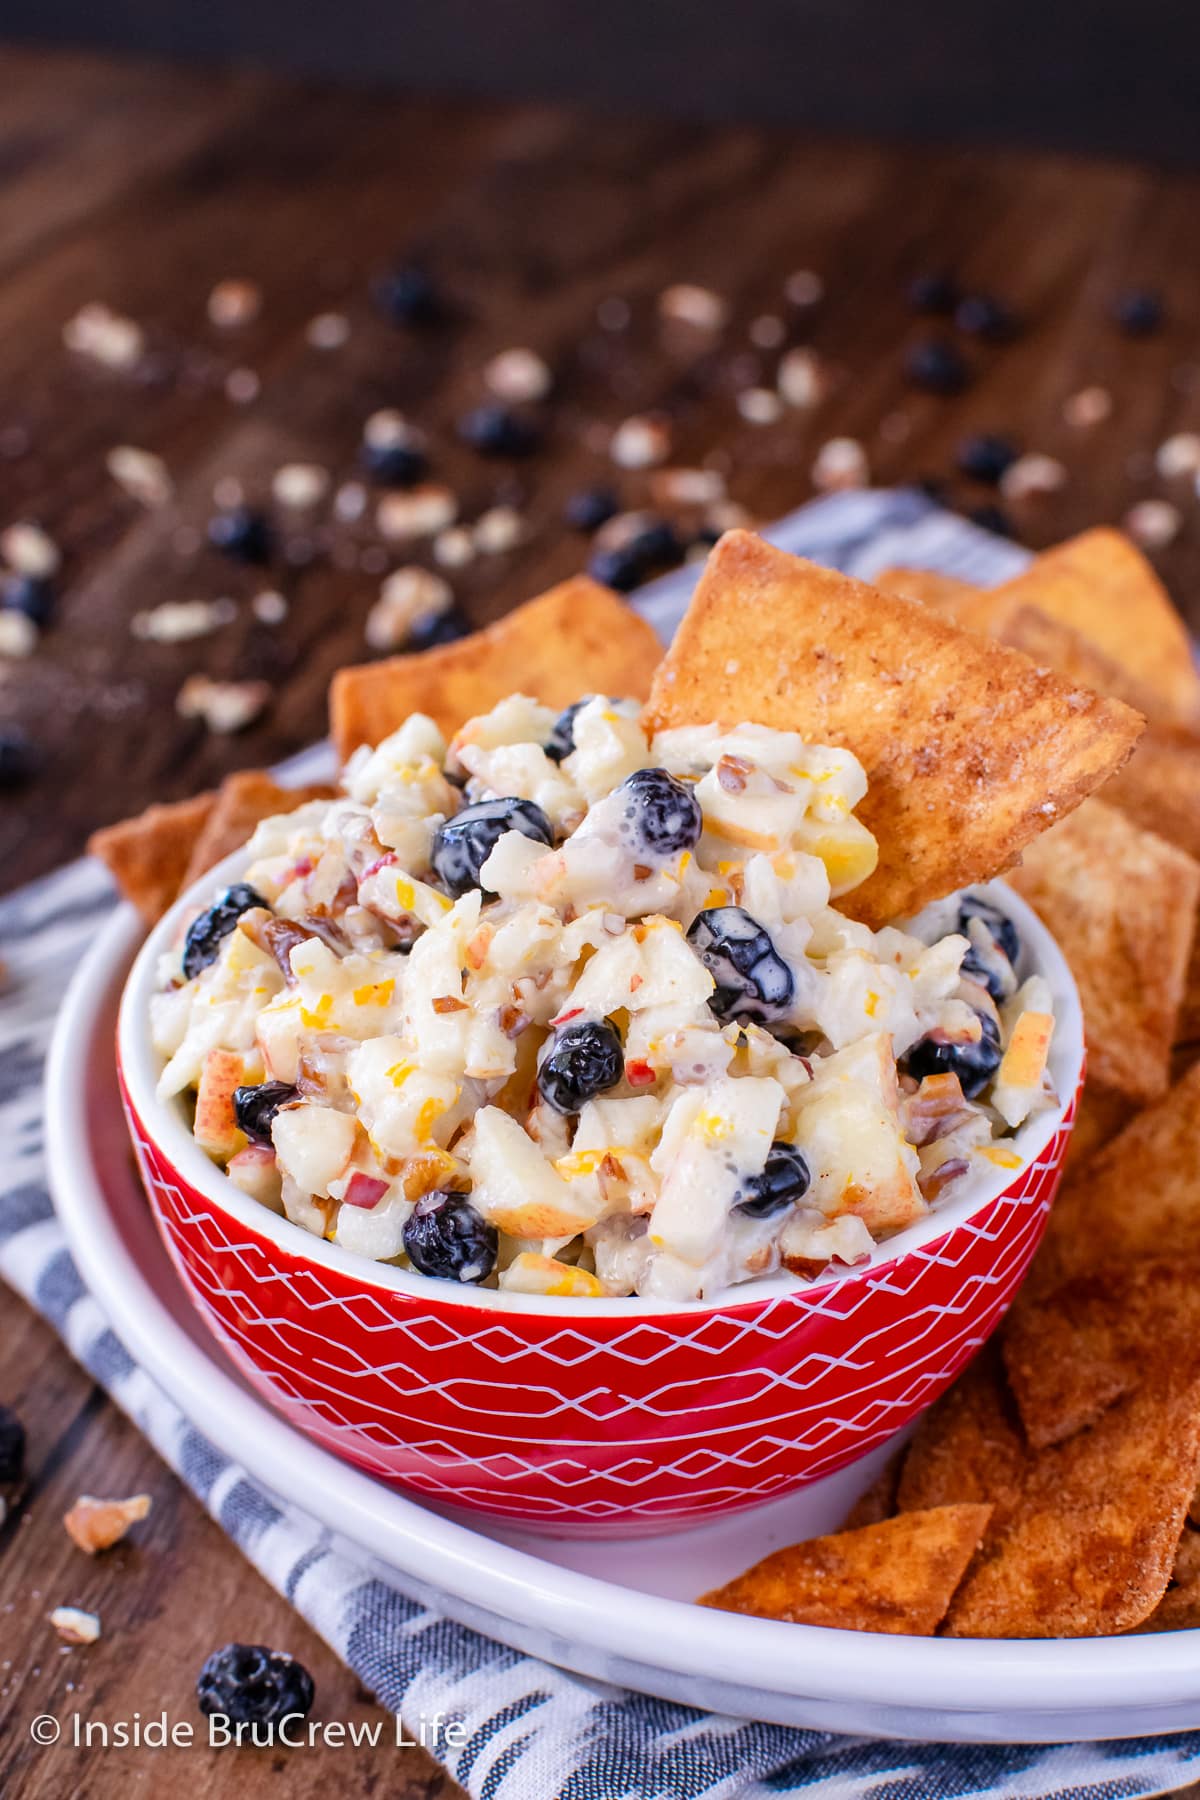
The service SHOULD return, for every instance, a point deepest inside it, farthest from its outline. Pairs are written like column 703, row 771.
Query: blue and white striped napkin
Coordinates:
column 533, row 1732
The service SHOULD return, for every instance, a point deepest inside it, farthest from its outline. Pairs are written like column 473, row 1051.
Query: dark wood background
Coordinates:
column 1108, row 78
column 142, row 185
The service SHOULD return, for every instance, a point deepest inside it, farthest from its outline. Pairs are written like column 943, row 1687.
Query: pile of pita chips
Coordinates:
column 896, row 1576
column 154, row 856
column 578, row 638
column 243, row 801
column 1121, row 904
column 148, row 856
column 1101, row 586
column 970, row 750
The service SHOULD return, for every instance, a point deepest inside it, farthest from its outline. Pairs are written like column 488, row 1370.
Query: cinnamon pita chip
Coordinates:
column 877, row 1502
column 969, row 1447
column 1188, row 1029
column 148, row 855
column 1055, row 645
column 896, row 1576
column 1122, row 904
column 1088, row 1547
column 1159, row 788
column 1099, row 1116
column 1101, row 585
column 969, row 750
column 242, row 802
column 576, row 639
column 1140, row 1196
column 1070, row 1354
column 948, row 596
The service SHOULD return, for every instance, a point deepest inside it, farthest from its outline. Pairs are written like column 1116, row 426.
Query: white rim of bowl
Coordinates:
column 964, row 1676
column 162, row 1120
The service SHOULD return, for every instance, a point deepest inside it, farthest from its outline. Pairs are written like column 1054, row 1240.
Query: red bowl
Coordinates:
column 612, row 1417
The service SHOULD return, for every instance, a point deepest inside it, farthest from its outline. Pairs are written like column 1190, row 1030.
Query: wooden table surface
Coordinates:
column 141, row 186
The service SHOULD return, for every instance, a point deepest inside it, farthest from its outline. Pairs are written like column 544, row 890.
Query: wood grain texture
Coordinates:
column 142, row 185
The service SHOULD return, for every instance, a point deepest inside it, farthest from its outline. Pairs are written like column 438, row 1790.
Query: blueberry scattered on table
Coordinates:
column 408, row 295
column 448, row 1238
column 395, row 464
column 934, row 291
column 32, row 595
column 662, row 813
column 590, row 508
column 463, row 844
column 12, row 1446
column 986, row 457
column 241, row 533
column 254, row 1108
column 983, row 316
column 937, row 366
column 248, row 1684
column 973, row 1063
column 1138, row 312
column 438, row 628
column 784, row 1179
column 202, row 944
column 585, row 1058
column 648, row 552
column 993, row 519
column 753, row 981
column 561, row 741
column 496, row 430
column 18, row 758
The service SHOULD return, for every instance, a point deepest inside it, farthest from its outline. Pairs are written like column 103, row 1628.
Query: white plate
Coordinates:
column 616, row 1611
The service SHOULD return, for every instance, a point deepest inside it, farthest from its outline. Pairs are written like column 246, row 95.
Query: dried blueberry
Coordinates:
column 1138, row 313
column 983, row 316
column 662, row 813
column 584, row 1058
column 974, row 1063
column 241, row 533
column 446, row 1237
column 408, row 295
column 986, row 457
column 438, row 628
column 254, row 1108
column 202, row 944
column 935, row 291
column 784, row 1179
column 251, row 1685
column 561, row 741
column 591, row 508
column 993, row 519
column 463, row 844
column 18, row 758
column 396, row 464
column 999, row 924
column 495, row 430
column 753, row 981
column 12, row 1446
column 655, row 547
column 32, row 595
column 936, row 366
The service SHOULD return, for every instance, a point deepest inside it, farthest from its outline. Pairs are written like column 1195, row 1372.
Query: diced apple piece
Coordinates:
column 1019, row 1078
column 517, row 1189
column 314, row 1145
column 848, row 1122
column 278, row 1034
column 256, row 1172
column 726, row 1140
column 216, row 1129
column 529, row 1273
